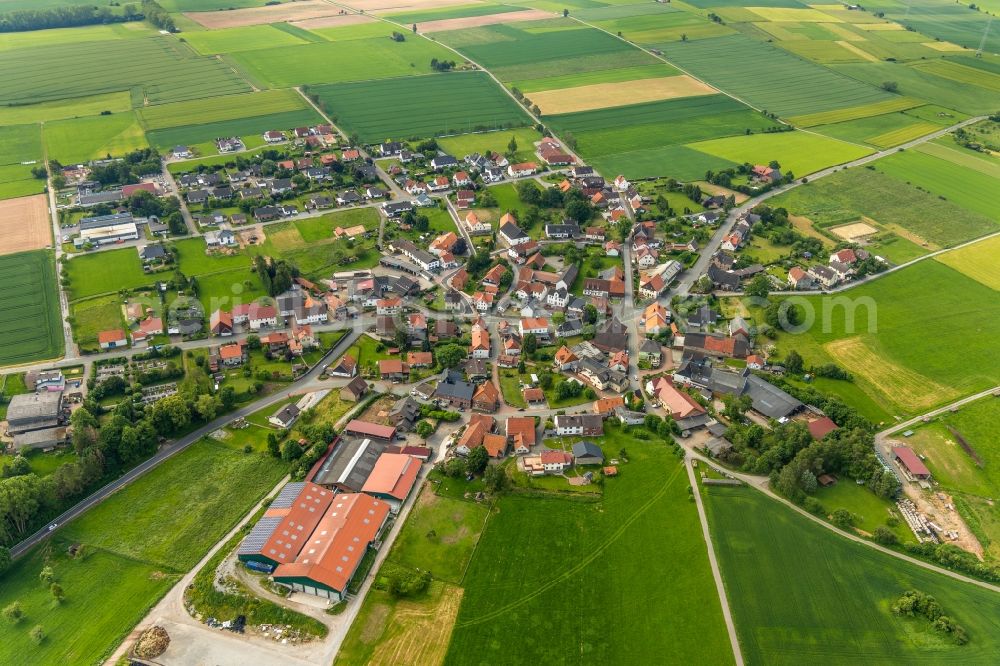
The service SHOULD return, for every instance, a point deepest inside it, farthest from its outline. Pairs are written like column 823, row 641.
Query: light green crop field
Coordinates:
column 192, row 260
column 972, row 475
column 921, row 84
column 338, row 62
column 676, row 161
column 250, row 128
column 907, row 337
column 954, row 23
column 29, row 308
column 93, row 137
column 137, row 546
column 822, row 598
column 20, row 143
column 81, row 106
column 594, row 77
column 798, row 152
column 541, row 561
column 247, row 38
column 854, row 113
column 852, row 193
column 104, row 272
column 461, row 11
column 158, row 69
column 216, row 109
column 964, row 186
column 956, row 154
column 788, row 86
column 10, row 41
column 978, row 261
column 357, row 31
column 885, row 131
column 441, row 104
column 657, row 29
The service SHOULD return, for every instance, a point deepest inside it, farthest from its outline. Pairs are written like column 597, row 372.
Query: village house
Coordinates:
column 521, row 431
column 586, row 425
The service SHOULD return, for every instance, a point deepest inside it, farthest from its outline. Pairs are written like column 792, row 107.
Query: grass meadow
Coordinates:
column 954, row 182
column 585, row 581
column 788, row 86
column 441, row 104
column 852, row 193
column 157, row 69
column 855, row 112
column 136, row 546
column 978, row 261
column 338, row 62
column 204, row 134
column 599, row 76
column 798, row 152
column 970, row 482
column 482, row 142
column 93, row 137
column 90, row 105
column 105, row 272
column 824, row 599
column 916, row 83
column 246, row 38
column 93, row 315
column 217, row 109
column 30, row 325
column 918, row 337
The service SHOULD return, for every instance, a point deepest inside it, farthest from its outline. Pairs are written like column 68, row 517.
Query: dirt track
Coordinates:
column 24, row 224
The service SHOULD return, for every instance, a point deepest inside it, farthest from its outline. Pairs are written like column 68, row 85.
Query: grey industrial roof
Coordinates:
column 101, row 221
column 34, row 405
column 770, row 400
column 587, row 450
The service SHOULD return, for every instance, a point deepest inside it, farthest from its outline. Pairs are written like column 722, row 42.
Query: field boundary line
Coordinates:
column 720, row 587
column 582, row 564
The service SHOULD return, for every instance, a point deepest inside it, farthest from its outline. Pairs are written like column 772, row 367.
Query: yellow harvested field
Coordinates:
column 897, row 385
column 856, row 51
column 881, row 26
column 943, row 46
column 478, row 21
column 805, row 226
column 415, row 633
column 844, row 32
column 286, row 11
column 25, row 224
column 978, row 261
column 399, row 6
column 604, row 95
column 853, row 231
column 335, row 21
column 792, row 15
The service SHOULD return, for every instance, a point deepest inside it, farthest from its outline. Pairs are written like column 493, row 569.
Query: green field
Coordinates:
column 798, row 152
column 30, row 324
column 104, row 272
column 251, row 126
column 338, row 62
column 912, row 335
column 216, row 109
column 823, row 599
column 595, row 77
column 942, row 178
column 676, row 161
column 954, row 23
column 461, row 11
column 920, row 84
column 465, row 144
column 137, row 546
column 662, row 26
column 248, row 38
column 93, row 137
column 787, row 85
column 883, row 131
column 93, row 315
column 542, row 561
column 59, row 109
column 159, row 69
column 442, row 104
column 852, row 193
column 20, row 144
column 972, row 483
column 956, row 154
column 977, row 261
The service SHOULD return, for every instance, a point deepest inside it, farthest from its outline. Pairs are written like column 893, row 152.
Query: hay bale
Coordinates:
column 152, row 643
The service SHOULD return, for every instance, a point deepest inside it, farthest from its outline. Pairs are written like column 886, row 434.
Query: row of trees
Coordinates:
column 277, row 275
column 158, row 16
column 66, row 17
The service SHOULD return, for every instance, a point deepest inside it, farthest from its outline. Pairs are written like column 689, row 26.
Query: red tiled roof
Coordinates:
column 821, row 427
column 393, row 474
column 911, row 461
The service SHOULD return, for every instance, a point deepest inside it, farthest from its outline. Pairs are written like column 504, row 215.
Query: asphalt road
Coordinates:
column 179, row 445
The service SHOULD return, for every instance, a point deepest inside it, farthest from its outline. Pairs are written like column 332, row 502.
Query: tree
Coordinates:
column 589, row 314
column 890, row 86
column 842, row 518
column 19, row 501
column 736, row 407
column 206, row 406
column 424, row 429
column 414, row 28
column 495, row 479
column 5, row 559
column 171, row 414
column 450, row 355
column 793, row 363
column 565, row 13
column 228, row 397
column 885, row 536
column 47, row 575
column 291, row 450
column 477, row 460
column 512, row 146
column 530, row 344
column 273, row 446
column 455, row 468
column 37, row 634
column 55, row 589
column 760, row 286
column 13, row 612
column 19, row 466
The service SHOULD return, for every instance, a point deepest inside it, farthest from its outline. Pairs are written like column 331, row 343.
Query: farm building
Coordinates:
column 910, row 462
column 392, row 479
column 34, row 411
column 587, row 453
column 821, row 427
column 312, row 540
column 360, row 428
column 105, row 229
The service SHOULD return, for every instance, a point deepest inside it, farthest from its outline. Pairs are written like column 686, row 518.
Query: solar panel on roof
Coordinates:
column 258, row 536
